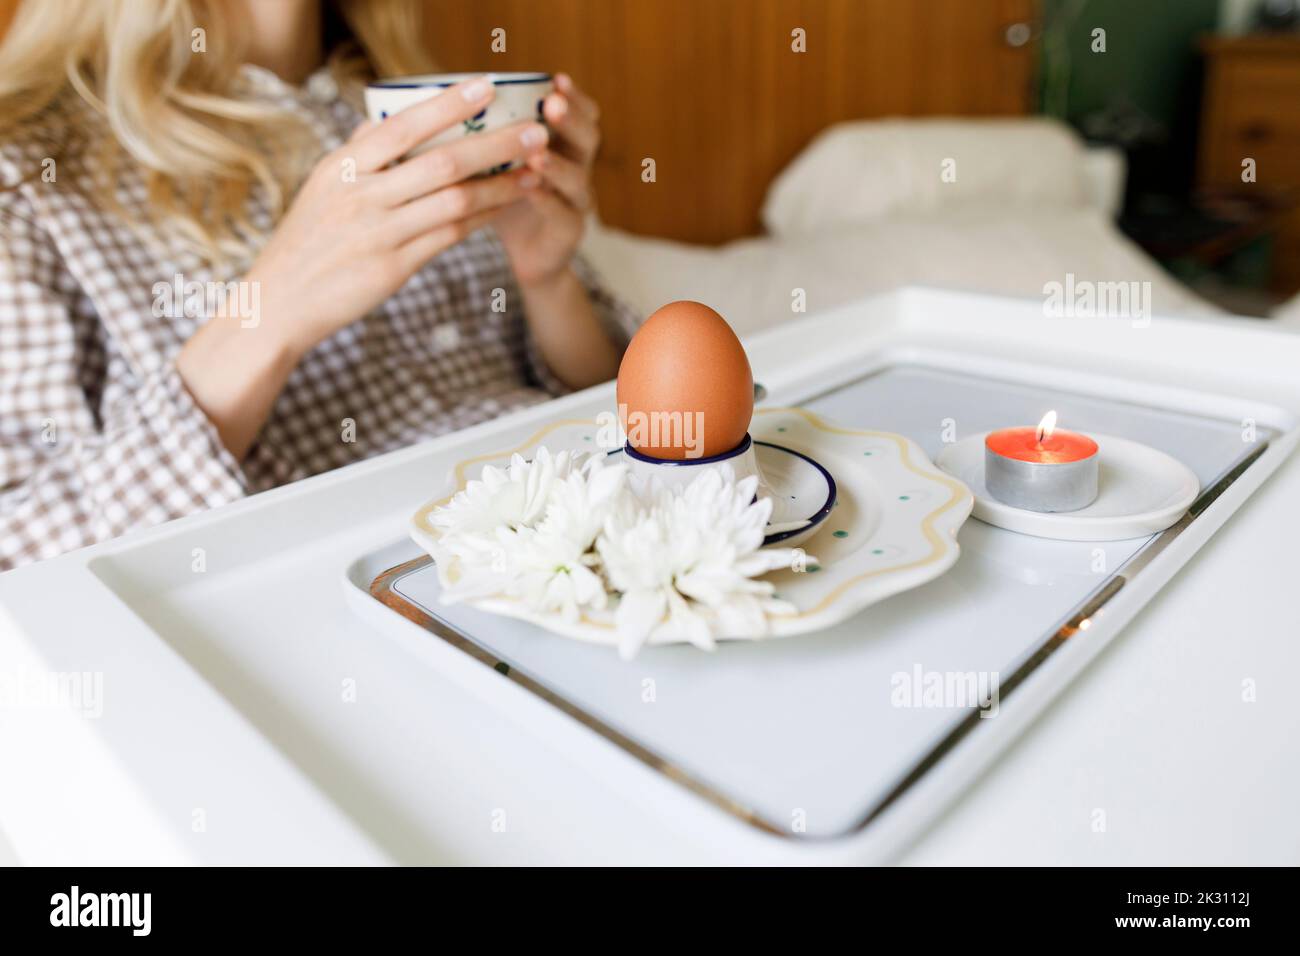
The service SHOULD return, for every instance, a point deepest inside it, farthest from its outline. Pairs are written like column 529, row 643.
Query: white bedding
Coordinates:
column 752, row 281
column 863, row 210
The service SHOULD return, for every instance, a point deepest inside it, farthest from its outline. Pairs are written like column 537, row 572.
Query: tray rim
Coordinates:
column 1078, row 619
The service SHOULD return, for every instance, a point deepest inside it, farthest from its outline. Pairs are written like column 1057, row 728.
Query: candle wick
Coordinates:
column 1046, row 426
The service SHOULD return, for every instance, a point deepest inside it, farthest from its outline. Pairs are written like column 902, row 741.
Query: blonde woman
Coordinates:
column 154, row 146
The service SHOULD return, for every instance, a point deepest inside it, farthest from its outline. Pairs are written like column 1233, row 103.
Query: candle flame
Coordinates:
column 1047, row 425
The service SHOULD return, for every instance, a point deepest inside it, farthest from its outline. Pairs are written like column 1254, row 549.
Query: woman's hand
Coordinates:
column 358, row 228
column 541, row 233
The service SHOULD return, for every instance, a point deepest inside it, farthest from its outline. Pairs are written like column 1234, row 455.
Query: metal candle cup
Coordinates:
column 1041, row 469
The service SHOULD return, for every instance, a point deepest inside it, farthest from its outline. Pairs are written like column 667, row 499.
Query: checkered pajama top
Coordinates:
column 99, row 436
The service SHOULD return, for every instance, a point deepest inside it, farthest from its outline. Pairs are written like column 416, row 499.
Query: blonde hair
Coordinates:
column 202, row 149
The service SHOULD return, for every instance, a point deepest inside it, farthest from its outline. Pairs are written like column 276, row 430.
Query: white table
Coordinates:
column 226, row 736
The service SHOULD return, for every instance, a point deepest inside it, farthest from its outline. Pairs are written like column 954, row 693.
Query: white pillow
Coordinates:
column 1287, row 315
column 864, row 170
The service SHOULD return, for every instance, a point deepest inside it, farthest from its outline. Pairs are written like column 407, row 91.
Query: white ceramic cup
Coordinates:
column 677, row 472
column 519, row 96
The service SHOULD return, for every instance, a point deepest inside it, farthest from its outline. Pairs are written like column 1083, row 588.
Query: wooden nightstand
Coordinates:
column 1252, row 111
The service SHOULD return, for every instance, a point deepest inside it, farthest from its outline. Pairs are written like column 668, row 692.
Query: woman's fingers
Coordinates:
column 361, row 129
column 551, row 207
column 566, row 177
column 414, row 253
column 460, row 202
column 576, row 134
column 444, row 165
column 390, row 140
column 580, row 100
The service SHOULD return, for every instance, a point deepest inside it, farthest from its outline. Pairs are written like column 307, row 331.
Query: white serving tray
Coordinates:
column 253, row 693
column 813, row 736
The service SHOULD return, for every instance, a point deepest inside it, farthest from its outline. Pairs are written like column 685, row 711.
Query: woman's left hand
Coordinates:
column 541, row 232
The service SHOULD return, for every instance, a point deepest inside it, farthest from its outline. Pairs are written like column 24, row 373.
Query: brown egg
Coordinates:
column 685, row 389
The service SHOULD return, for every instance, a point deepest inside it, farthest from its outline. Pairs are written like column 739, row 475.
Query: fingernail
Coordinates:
column 476, row 91
column 561, row 105
column 533, row 136
column 529, row 181
column 563, row 81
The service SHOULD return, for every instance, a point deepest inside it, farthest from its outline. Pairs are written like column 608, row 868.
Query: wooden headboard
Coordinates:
column 713, row 92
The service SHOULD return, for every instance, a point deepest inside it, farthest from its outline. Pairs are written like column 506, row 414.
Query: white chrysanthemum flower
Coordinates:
column 580, row 500
column 562, row 532
column 474, row 531
column 685, row 561
column 527, row 532
column 556, row 568
column 553, row 574
column 513, row 497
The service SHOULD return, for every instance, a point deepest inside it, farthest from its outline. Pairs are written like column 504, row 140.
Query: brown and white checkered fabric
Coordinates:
column 99, row 436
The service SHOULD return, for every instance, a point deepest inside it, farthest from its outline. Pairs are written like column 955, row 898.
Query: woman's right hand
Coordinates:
column 362, row 224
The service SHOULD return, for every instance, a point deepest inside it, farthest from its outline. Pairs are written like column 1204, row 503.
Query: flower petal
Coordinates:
column 639, row 613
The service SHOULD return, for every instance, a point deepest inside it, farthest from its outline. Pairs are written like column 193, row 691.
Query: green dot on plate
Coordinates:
column 814, row 569
column 904, row 497
column 781, row 429
column 867, row 453
column 877, row 550
column 840, row 534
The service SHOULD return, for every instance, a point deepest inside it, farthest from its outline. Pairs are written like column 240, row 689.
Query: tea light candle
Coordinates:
column 1041, row 469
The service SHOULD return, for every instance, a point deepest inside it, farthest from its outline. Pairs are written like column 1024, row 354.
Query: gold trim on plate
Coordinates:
column 939, row 547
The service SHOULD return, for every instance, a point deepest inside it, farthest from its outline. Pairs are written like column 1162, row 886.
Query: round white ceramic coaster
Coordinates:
column 1141, row 491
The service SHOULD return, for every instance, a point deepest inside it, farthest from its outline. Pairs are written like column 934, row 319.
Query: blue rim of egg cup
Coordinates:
column 687, row 462
column 398, row 84
column 820, row 515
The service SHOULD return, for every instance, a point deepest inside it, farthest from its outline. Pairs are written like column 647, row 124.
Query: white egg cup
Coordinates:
column 678, row 472
column 802, row 492
column 519, row 96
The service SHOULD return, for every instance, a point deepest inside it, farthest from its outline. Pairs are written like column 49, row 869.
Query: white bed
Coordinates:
column 1000, row 206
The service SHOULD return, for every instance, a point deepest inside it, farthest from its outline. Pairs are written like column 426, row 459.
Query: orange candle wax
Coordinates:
column 1030, row 444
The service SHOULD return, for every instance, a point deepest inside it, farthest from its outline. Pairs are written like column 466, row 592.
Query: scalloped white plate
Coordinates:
column 894, row 525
